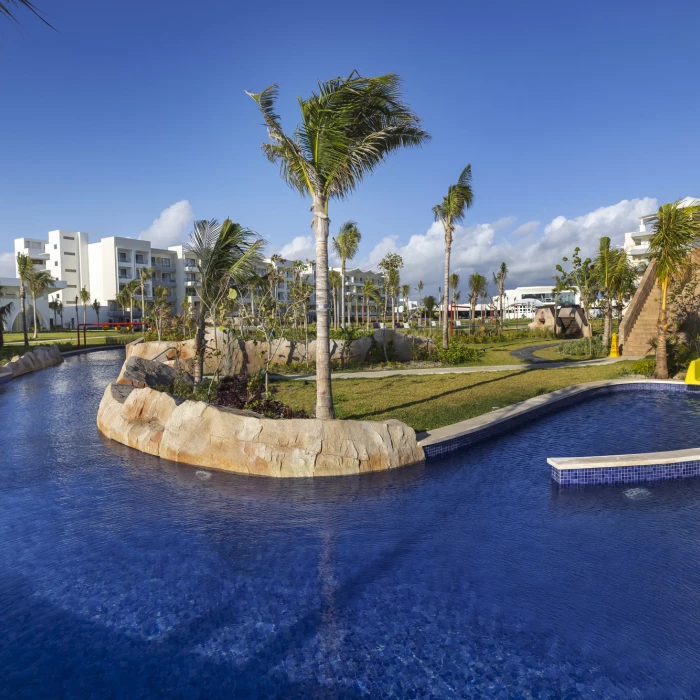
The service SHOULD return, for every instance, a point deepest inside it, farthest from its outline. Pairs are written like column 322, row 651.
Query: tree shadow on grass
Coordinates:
column 410, row 404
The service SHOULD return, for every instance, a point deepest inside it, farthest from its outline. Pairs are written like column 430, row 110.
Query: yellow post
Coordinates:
column 693, row 374
column 614, row 350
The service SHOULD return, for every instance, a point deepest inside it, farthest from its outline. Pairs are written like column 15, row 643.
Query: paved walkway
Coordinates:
column 380, row 373
column 527, row 354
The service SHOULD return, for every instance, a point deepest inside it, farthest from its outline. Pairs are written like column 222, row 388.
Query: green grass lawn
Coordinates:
column 56, row 336
column 554, row 354
column 65, row 342
column 431, row 401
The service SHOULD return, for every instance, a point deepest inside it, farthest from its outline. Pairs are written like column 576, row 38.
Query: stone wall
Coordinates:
column 200, row 434
column 39, row 358
column 250, row 355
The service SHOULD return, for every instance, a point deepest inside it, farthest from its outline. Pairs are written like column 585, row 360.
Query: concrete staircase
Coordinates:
column 639, row 324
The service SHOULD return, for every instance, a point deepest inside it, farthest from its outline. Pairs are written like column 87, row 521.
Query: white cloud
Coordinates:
column 171, row 227
column 531, row 259
column 7, row 264
column 527, row 227
column 304, row 248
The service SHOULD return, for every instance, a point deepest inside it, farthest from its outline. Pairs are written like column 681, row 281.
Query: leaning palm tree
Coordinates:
column 5, row 310
column 84, row 300
column 226, row 254
column 499, row 279
column 345, row 247
column 676, row 232
column 25, row 270
column 347, row 129
column 96, row 307
column 450, row 212
column 131, row 288
column 39, row 282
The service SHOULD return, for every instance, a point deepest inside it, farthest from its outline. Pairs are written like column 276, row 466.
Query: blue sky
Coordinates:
column 563, row 109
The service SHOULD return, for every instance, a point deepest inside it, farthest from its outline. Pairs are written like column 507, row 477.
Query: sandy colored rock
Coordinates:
column 39, row 358
column 139, row 372
column 214, row 437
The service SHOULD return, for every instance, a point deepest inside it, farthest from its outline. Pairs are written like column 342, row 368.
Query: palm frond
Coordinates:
column 6, row 11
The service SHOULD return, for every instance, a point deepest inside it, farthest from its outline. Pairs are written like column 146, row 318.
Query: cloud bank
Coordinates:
column 171, row 227
column 531, row 255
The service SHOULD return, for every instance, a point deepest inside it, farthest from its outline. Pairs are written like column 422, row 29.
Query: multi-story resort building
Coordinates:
column 354, row 280
column 637, row 242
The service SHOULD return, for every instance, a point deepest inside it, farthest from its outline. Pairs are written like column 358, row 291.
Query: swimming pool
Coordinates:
column 469, row 576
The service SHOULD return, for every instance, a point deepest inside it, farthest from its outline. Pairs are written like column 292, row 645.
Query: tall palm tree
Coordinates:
column 25, row 270
column 59, row 308
column 39, row 282
column 405, row 291
column 225, row 253
column 370, row 292
column 96, row 307
column 454, row 283
column 429, row 303
column 145, row 274
column 53, row 305
column 676, row 232
column 477, row 282
column 450, row 212
column 5, row 310
column 336, row 284
column 131, row 288
column 419, row 288
column 499, row 279
column 123, row 298
column 348, row 128
column 605, row 264
column 84, row 300
column 345, row 247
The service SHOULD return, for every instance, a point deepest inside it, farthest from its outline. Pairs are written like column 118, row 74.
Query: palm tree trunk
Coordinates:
column 35, row 334
column 446, row 296
column 661, row 355
column 199, row 345
column 607, row 322
column 23, row 300
column 342, row 293
column 324, row 391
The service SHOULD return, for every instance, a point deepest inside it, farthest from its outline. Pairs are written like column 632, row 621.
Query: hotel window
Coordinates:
column 165, row 262
column 140, row 259
column 67, row 270
column 68, row 238
column 67, row 253
column 56, row 264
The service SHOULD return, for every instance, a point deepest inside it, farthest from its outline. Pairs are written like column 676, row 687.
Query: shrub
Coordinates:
column 646, row 366
column 460, row 354
column 583, row 348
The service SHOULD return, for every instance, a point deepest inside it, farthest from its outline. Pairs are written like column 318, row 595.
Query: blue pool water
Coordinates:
column 122, row 575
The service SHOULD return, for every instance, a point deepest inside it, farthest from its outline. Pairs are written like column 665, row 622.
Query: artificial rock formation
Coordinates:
column 39, row 358
column 197, row 433
column 140, row 373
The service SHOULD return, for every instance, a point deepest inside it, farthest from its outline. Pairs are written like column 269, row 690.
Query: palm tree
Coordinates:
column 454, row 283
column 84, row 300
column 6, row 11
column 419, row 289
column 477, row 282
column 53, row 305
column 405, row 291
column 39, row 282
column 499, row 279
column 145, row 274
column 348, row 128
column 676, row 232
column 345, row 247
column 605, row 264
column 25, row 270
column 336, row 284
column 225, row 253
column 429, row 303
column 131, row 288
column 59, row 308
column 5, row 310
column 123, row 298
column 451, row 212
column 370, row 292
column 96, row 307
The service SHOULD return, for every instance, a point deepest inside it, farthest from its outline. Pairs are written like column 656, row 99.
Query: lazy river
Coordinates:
column 122, row 575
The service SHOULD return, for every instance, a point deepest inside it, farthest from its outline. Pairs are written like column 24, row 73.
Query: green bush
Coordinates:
column 646, row 366
column 583, row 347
column 459, row 354
column 206, row 390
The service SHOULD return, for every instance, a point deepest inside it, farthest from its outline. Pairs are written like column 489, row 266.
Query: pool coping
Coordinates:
column 465, row 433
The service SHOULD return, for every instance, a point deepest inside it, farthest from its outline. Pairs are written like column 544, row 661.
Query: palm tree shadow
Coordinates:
column 409, row 404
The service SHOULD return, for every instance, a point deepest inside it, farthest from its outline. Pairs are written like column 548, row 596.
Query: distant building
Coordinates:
column 523, row 302
column 637, row 242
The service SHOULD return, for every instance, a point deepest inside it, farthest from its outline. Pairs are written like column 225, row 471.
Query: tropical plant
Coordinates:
column 347, row 129
column 370, row 292
column 390, row 265
column 454, row 283
column 5, row 310
column 499, row 279
column 145, row 274
column 39, row 281
column 345, row 247
column 123, row 298
column 25, row 269
column 53, row 305
column 161, row 309
column 59, row 308
column 676, row 231
column 7, row 6
column 450, row 212
column 419, row 288
column 96, row 309
column 225, row 253
column 477, row 283
column 336, row 284
column 84, row 300
column 429, row 304
column 405, row 291
column 131, row 288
